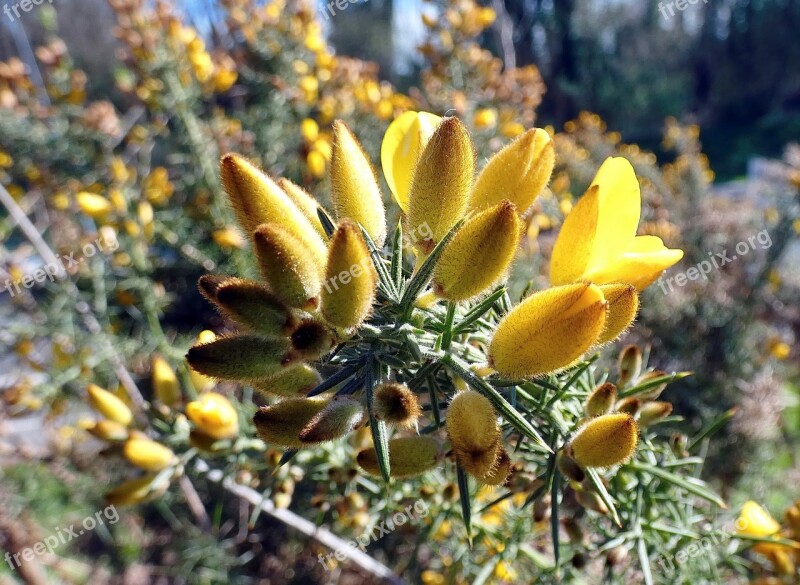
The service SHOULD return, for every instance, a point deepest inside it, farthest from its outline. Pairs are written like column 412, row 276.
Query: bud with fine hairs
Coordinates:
column 340, row 416
column 239, row 357
column 396, row 404
column 408, row 456
column 601, row 400
column 629, row 364
column 605, row 441
column 623, row 304
column 248, row 303
column 294, row 381
column 281, row 423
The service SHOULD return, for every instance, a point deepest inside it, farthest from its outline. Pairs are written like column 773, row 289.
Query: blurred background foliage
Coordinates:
column 113, row 115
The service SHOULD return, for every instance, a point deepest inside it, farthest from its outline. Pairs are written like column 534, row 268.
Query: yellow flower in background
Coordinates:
column 485, row 118
column 214, row 416
column 148, row 455
column 109, row 405
column 94, row 205
column 166, row 386
column 402, row 144
column 756, row 521
column 598, row 241
column 229, row 238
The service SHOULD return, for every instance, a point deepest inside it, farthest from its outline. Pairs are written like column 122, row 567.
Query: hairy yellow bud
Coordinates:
column 605, row 441
column 479, row 254
column 601, row 400
column 214, row 416
column 135, row 491
column 149, row 455
column 108, row 430
column 441, row 184
column 249, row 303
column 499, row 472
column 408, row 456
column 109, row 405
column 652, row 412
column 239, row 357
column 630, row 364
column 293, row 275
column 166, row 386
column 519, row 172
column 281, row 423
column 623, row 304
column 294, row 381
column 396, row 404
column 306, row 203
column 350, row 279
column 472, row 423
column 257, row 199
column 342, row 415
column 548, row 331
column 354, row 186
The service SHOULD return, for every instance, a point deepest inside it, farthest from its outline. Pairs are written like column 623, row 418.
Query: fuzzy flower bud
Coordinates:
column 652, row 412
column 605, row 441
column 108, row 430
column 109, row 405
column 306, row 203
column 294, row 381
column 396, row 404
column 623, row 304
column 601, row 400
column 249, row 303
column 282, row 423
column 408, row 456
column 239, row 357
column 342, row 415
column 629, row 364
column 135, row 491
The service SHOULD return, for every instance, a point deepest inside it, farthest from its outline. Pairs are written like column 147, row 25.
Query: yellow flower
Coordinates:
column 134, row 491
column 309, row 130
column 402, row 144
column 214, row 416
column 109, row 405
column 485, row 118
column 598, row 241
column 165, row 382
column 94, row 205
column 548, row 331
column 316, row 163
column 229, row 237
column 148, row 455
column 201, row 382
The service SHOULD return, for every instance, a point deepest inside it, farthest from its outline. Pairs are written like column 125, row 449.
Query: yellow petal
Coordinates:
column 756, row 521
column 402, row 144
column 354, row 187
column 214, row 416
column 109, row 405
column 640, row 265
column 548, row 331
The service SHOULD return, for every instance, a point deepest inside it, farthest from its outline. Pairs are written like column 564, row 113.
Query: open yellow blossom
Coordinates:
column 598, row 241
column 214, row 416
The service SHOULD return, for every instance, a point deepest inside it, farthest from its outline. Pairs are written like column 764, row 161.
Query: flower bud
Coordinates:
column 487, row 240
column 354, row 186
column 350, row 278
column 623, row 303
column 165, row 383
column 655, row 391
column 109, row 405
column 631, row 405
column 249, row 303
column 441, row 184
column 281, row 423
column 519, row 172
column 396, row 404
column 201, row 382
column 306, row 204
column 591, row 501
column 214, row 416
column 542, row 508
column 408, row 456
column 548, row 331
column 311, row 340
column 605, row 441
column 569, row 468
column 149, row 455
column 404, row 141
column 498, row 474
column 472, row 423
column 256, row 199
column 601, row 400
column 652, row 412
column 630, row 364
column 94, row 205
column 135, row 491
column 108, row 430
column 239, row 357
column 293, row 275
column 294, row 381
column 339, row 417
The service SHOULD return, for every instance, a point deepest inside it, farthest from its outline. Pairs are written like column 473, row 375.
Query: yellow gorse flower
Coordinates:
column 148, row 455
column 598, row 241
column 166, row 386
column 109, row 405
column 214, row 416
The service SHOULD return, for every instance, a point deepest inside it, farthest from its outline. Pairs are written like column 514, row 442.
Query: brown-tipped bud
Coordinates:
column 498, row 474
column 488, row 239
column 472, row 423
column 519, row 172
column 311, row 340
column 293, row 275
column 396, row 404
column 569, row 468
column 239, row 357
column 652, row 412
column 408, row 456
column 339, row 417
column 601, row 400
column 605, row 441
column 350, row 278
column 294, row 381
column 591, row 501
column 249, row 303
column 354, row 185
column 281, row 423
column 441, row 184
column 256, row 199
column 631, row 405
column 629, row 364
column 306, row 203
column 108, row 430
column 209, row 284
column 541, row 508
column 623, row 304
column 655, row 391
column 479, row 463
